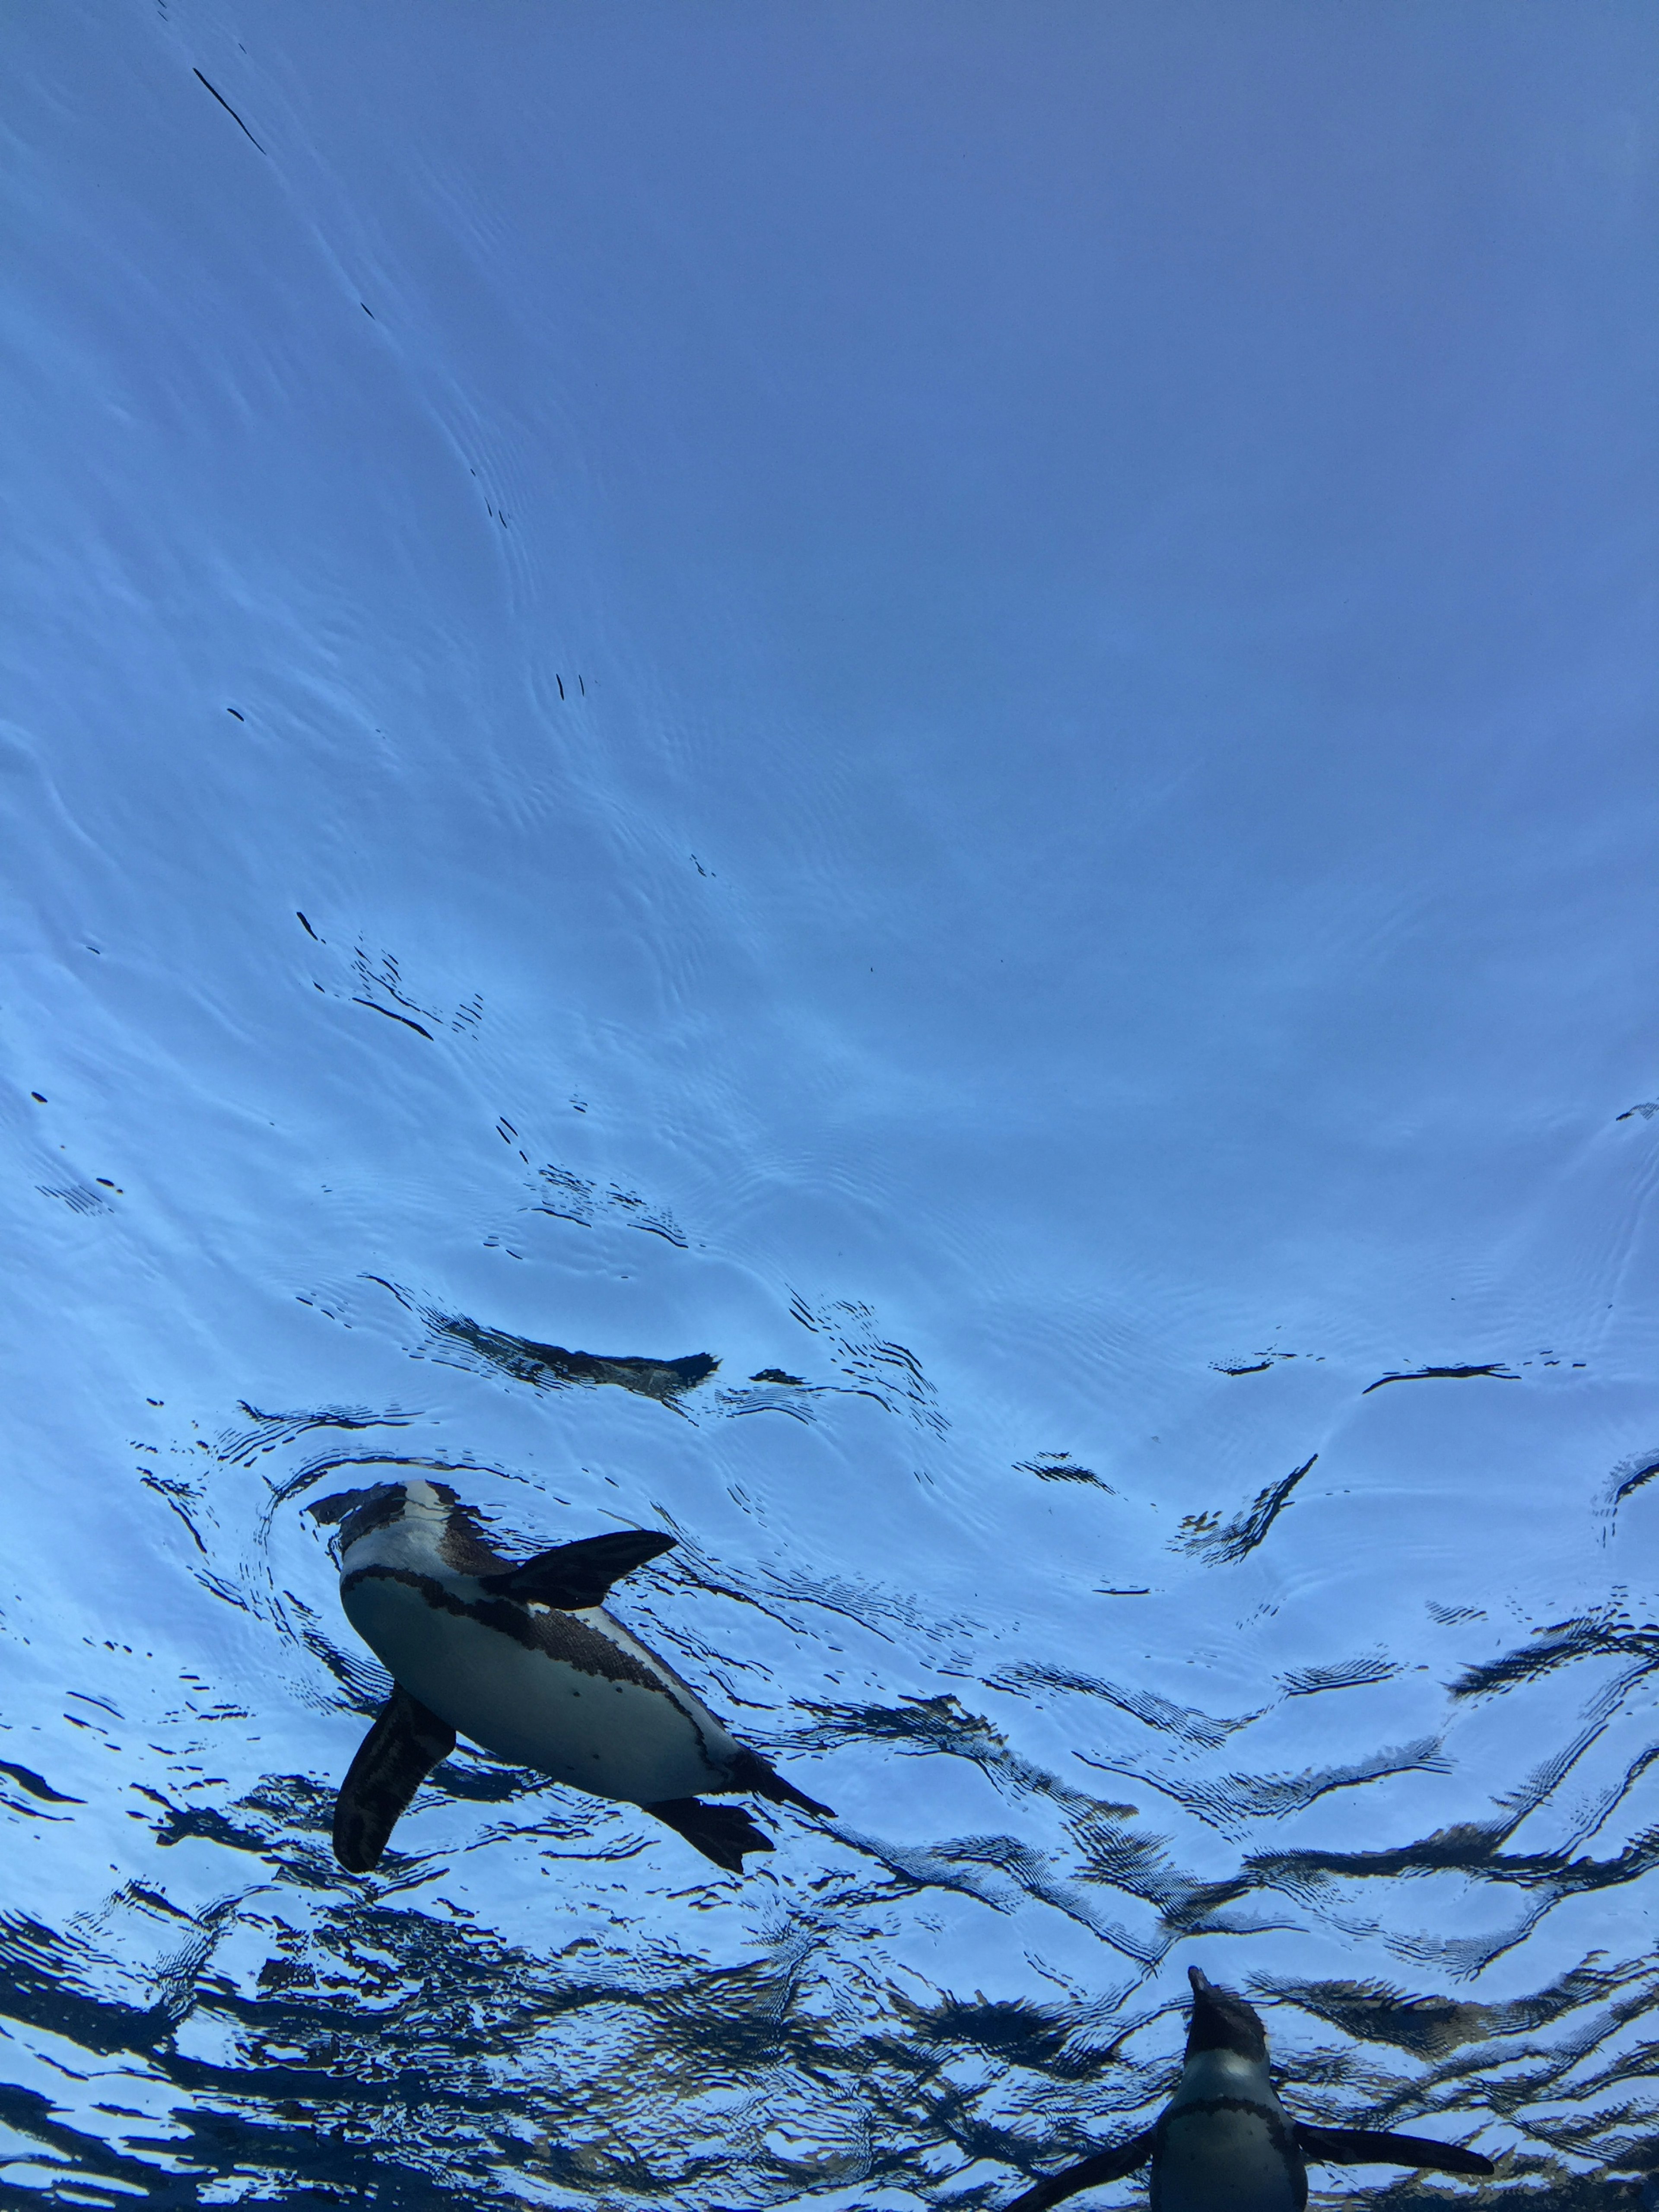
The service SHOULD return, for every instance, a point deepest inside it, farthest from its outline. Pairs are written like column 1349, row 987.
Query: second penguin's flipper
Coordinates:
column 392, row 1760
column 721, row 1833
column 571, row 1576
column 751, row 1772
column 1366, row 2147
column 1088, row 2174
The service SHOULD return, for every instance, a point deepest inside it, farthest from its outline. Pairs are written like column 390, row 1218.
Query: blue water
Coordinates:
column 955, row 704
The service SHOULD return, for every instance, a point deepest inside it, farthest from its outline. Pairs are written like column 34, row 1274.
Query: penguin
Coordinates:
column 1224, row 2143
column 526, row 1662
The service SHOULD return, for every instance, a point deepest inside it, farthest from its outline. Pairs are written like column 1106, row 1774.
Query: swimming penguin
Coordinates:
column 1224, row 2143
column 526, row 1662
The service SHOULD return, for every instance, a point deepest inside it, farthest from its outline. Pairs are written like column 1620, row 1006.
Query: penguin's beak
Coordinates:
column 1200, row 1981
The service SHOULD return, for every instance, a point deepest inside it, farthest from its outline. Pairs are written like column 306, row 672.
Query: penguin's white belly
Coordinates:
column 1225, row 2162
column 616, row 1738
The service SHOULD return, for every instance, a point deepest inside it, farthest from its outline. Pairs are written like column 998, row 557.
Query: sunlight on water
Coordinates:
column 875, row 789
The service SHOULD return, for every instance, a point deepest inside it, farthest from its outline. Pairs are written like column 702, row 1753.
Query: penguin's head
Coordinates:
column 1223, row 2022
column 359, row 1512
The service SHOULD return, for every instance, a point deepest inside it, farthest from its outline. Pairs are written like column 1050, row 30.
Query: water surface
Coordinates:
column 877, row 786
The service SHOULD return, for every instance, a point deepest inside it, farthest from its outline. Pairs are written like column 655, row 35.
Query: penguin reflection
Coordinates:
column 525, row 1661
column 1224, row 2143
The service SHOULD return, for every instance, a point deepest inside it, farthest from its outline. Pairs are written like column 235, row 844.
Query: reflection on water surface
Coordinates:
column 1089, row 909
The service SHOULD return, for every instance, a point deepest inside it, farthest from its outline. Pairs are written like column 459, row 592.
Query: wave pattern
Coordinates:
column 900, row 925
column 328, row 2033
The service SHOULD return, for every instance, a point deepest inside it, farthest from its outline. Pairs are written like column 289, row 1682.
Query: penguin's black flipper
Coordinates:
column 1089, row 2173
column 392, row 1760
column 721, row 1833
column 751, row 1772
column 571, row 1576
column 1366, row 2147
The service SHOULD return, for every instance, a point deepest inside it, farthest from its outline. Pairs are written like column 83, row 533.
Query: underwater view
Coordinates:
column 831, row 1100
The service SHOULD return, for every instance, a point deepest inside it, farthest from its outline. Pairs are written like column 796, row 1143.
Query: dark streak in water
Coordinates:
column 552, row 1367
column 1496, row 1370
column 76, row 1197
column 1471, row 1848
column 167, row 1492
column 1197, row 1730
column 1431, row 2027
column 229, row 111
column 1231, row 1802
column 656, row 1229
column 577, row 1199
column 1060, row 1467
column 390, row 1017
column 795, row 1400
column 1608, row 1634
column 888, row 1373
column 1448, row 1616
column 36, row 1784
column 236, row 1448
column 1343, row 1674
column 1224, row 1545
column 1629, row 1477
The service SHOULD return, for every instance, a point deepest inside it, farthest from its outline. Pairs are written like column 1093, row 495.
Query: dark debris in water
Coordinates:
column 1630, row 1476
column 1060, row 1466
column 1340, row 1674
column 36, row 1784
column 1207, row 1537
column 552, row 1367
column 1494, row 1370
column 1607, row 1633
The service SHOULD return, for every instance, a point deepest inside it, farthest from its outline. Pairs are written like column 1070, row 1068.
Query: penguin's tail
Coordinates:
column 751, row 1772
column 721, row 1833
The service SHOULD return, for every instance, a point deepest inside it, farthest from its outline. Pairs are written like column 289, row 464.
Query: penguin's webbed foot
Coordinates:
column 751, row 1772
column 721, row 1833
